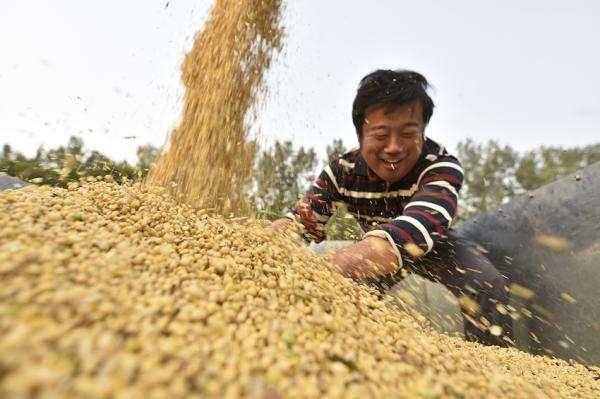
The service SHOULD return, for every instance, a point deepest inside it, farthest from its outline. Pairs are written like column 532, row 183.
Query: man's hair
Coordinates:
column 390, row 88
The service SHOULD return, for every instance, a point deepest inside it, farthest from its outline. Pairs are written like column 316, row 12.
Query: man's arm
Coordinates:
column 423, row 223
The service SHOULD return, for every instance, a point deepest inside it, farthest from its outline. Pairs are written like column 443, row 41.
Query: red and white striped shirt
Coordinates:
column 418, row 209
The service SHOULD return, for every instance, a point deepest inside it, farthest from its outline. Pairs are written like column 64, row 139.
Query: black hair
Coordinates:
column 390, row 88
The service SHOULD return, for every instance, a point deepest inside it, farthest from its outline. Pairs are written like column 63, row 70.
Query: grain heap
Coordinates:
column 117, row 291
column 209, row 161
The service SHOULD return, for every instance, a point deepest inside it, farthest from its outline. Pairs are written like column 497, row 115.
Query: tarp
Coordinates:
column 563, row 318
column 10, row 183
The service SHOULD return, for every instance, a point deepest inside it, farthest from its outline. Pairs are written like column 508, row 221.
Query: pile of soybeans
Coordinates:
column 118, row 291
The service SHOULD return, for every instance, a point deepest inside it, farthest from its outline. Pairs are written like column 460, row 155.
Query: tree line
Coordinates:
column 494, row 173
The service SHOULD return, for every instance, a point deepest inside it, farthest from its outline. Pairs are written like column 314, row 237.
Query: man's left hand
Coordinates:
column 370, row 257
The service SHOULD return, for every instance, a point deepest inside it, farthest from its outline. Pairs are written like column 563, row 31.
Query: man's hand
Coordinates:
column 282, row 225
column 370, row 257
column 289, row 228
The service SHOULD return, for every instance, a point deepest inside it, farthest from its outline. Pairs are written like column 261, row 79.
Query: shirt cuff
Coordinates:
column 385, row 235
column 290, row 216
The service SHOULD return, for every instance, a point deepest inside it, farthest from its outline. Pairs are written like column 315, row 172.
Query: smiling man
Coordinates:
column 403, row 189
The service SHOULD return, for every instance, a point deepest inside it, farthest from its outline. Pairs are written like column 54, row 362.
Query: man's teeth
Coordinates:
column 391, row 163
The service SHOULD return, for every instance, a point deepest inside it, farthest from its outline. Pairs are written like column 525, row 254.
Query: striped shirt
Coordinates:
column 417, row 209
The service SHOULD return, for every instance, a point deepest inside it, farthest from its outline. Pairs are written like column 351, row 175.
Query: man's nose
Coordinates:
column 394, row 145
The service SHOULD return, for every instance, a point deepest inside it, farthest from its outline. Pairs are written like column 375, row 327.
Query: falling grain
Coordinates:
column 520, row 291
column 208, row 162
column 554, row 243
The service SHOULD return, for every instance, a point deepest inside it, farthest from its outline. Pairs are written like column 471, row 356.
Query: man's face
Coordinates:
column 392, row 139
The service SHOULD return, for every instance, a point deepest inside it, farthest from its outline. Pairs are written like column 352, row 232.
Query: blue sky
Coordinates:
column 524, row 73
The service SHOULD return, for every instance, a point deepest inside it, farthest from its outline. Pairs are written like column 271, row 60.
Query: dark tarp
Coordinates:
column 552, row 322
column 9, row 183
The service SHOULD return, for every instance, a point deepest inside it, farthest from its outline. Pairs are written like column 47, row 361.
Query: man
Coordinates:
column 403, row 189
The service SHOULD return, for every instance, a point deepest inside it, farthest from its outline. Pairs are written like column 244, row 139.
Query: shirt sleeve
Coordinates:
column 427, row 216
column 314, row 210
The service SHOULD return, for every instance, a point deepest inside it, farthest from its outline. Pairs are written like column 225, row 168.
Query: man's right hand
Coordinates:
column 282, row 225
column 289, row 228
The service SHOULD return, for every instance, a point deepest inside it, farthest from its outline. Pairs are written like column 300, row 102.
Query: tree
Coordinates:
column 6, row 151
column 59, row 166
column 489, row 176
column 335, row 149
column 147, row 154
column 281, row 177
column 547, row 164
column 495, row 173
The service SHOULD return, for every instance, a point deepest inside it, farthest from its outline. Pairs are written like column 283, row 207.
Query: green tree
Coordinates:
column 335, row 149
column 281, row 177
column 495, row 173
column 59, row 166
column 489, row 178
column 146, row 155
column 547, row 164
column 6, row 151
column 18, row 165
